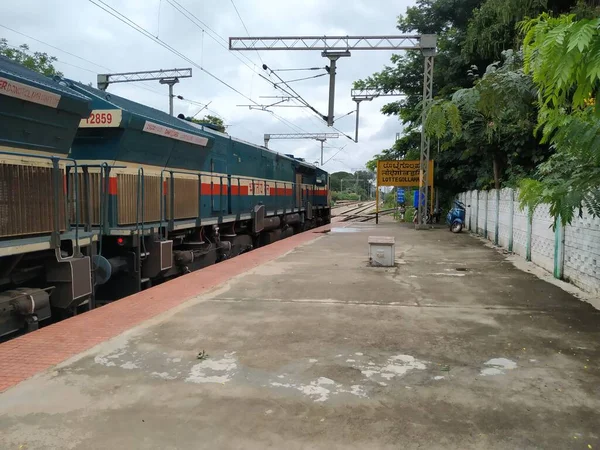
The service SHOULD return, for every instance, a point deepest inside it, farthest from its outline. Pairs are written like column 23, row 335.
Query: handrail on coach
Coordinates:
column 163, row 206
column 141, row 188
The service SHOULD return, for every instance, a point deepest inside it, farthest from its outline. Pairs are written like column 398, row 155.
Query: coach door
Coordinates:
column 298, row 190
column 219, row 185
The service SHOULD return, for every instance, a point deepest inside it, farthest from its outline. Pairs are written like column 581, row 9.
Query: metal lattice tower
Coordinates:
column 425, row 142
column 324, row 43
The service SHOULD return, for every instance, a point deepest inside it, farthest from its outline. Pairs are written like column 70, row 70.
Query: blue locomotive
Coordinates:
column 101, row 197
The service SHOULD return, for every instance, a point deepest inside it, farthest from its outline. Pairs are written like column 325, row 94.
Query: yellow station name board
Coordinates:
column 401, row 173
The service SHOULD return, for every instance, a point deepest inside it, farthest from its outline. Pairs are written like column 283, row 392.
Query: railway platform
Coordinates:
column 301, row 344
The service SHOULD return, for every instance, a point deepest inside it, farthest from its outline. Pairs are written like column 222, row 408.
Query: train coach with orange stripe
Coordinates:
column 150, row 196
column 170, row 196
column 45, row 258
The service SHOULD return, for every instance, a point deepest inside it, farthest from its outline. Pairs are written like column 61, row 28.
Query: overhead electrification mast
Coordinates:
column 169, row 77
column 359, row 95
column 334, row 47
column 321, row 137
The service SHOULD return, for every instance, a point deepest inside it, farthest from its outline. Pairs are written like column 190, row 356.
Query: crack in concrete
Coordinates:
column 546, row 309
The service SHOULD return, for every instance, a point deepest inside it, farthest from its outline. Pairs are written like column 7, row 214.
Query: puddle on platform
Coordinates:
column 498, row 366
column 347, row 230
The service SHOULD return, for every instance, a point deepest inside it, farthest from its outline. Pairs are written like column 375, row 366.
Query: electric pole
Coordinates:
column 321, row 140
column 333, row 57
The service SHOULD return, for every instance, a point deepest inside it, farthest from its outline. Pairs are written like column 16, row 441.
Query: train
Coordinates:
column 102, row 197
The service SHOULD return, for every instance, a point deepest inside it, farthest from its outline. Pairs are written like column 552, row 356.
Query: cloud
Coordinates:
column 85, row 30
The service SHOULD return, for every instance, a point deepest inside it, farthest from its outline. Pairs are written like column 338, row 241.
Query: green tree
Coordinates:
column 448, row 19
column 363, row 179
column 563, row 56
column 472, row 34
column 37, row 61
column 494, row 119
column 492, row 28
column 335, row 180
column 210, row 120
column 367, row 175
column 407, row 147
column 357, row 182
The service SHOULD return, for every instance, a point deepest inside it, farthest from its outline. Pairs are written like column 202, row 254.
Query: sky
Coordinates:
column 87, row 41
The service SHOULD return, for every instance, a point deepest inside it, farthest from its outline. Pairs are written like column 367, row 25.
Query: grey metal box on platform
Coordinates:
column 382, row 251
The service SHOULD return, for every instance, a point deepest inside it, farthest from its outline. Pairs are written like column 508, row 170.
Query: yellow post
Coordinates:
column 431, row 202
column 377, row 205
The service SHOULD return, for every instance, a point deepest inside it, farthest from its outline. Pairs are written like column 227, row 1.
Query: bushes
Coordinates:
column 336, row 196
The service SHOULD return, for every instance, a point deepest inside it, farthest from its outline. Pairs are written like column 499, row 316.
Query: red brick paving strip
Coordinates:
column 35, row 352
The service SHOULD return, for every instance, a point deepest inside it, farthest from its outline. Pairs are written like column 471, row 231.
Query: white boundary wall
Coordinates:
column 582, row 253
column 571, row 253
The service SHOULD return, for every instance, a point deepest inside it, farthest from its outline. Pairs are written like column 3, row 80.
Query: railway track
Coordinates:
column 351, row 209
column 361, row 212
column 366, row 217
column 340, row 208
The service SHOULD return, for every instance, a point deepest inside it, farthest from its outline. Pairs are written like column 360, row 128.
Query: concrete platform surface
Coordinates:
column 452, row 348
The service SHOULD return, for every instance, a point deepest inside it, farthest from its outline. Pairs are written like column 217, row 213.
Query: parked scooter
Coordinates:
column 456, row 217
